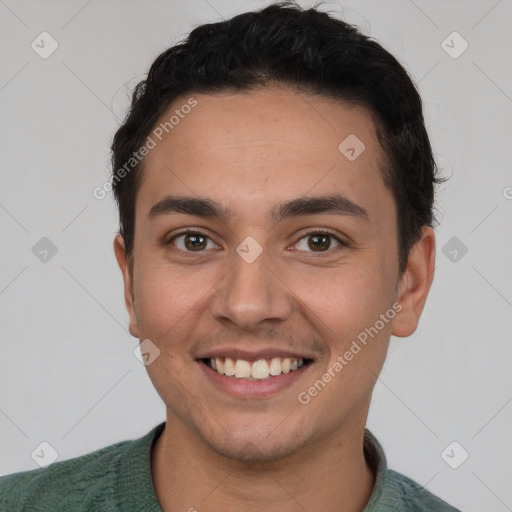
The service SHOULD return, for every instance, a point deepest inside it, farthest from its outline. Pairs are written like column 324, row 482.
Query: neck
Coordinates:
column 330, row 475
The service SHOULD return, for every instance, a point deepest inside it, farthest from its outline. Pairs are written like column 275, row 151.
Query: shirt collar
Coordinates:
column 374, row 455
column 134, row 483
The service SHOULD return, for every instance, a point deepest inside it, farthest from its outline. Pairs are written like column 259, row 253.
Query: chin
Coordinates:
column 252, row 446
column 250, row 452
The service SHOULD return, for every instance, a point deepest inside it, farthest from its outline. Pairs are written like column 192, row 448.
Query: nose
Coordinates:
column 252, row 294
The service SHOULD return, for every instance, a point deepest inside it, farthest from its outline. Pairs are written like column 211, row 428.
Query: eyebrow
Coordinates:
column 335, row 204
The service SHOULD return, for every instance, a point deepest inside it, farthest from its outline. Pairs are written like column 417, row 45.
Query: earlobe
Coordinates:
column 415, row 284
column 122, row 261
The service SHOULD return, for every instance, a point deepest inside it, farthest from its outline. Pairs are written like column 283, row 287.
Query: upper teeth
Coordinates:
column 257, row 370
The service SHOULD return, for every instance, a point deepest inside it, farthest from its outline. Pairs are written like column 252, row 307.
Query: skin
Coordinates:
column 249, row 152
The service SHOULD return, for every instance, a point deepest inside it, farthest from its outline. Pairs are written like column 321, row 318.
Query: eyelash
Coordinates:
column 318, row 231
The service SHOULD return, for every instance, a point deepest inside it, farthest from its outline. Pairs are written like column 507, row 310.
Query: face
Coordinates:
column 287, row 255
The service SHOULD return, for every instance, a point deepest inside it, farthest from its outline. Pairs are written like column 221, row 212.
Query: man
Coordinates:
column 275, row 187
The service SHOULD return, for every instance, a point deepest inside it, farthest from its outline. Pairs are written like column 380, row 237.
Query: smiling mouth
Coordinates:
column 262, row 369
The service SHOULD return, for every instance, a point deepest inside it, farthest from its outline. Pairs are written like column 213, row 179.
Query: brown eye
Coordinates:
column 195, row 242
column 192, row 242
column 318, row 242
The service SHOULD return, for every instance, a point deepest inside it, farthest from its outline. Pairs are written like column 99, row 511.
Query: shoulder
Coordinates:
column 406, row 494
column 87, row 482
column 394, row 492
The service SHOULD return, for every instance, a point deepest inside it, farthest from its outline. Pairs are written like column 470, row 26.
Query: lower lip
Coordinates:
column 242, row 388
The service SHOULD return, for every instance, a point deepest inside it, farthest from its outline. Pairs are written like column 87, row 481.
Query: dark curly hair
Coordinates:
column 312, row 52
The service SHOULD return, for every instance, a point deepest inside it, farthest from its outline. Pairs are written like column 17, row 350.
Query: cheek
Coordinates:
column 169, row 299
column 348, row 298
column 354, row 316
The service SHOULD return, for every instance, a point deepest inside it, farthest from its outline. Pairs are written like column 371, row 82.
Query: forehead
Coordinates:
column 254, row 149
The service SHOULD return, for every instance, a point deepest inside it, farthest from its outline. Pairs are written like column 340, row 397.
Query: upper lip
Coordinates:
column 251, row 355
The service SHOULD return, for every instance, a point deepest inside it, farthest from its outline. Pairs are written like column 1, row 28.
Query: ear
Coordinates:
column 415, row 283
column 122, row 261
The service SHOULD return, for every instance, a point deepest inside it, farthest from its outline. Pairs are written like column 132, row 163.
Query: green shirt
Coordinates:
column 117, row 478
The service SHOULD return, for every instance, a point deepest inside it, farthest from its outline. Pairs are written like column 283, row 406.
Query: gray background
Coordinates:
column 68, row 373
